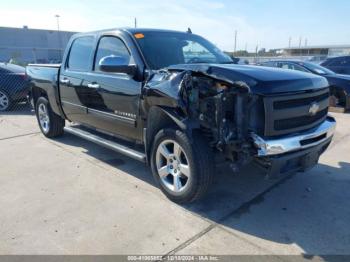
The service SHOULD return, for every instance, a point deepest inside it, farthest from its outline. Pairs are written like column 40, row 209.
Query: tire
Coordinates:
column 182, row 168
column 342, row 97
column 51, row 124
column 5, row 101
column 346, row 99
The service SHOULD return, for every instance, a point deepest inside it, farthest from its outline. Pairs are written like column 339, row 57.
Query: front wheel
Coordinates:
column 51, row 124
column 183, row 168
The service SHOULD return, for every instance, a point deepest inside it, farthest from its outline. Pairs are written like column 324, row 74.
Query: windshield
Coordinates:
column 318, row 69
column 162, row 49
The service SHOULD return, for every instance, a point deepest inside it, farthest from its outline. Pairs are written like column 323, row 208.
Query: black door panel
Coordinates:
column 114, row 97
column 75, row 96
column 114, row 104
column 106, row 101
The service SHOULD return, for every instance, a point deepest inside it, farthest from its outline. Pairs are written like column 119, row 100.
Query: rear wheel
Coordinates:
column 182, row 168
column 5, row 101
column 51, row 124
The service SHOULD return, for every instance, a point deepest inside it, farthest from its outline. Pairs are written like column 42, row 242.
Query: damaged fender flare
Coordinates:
column 171, row 118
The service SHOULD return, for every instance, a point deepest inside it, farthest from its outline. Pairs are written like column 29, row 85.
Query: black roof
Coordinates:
column 133, row 30
column 145, row 30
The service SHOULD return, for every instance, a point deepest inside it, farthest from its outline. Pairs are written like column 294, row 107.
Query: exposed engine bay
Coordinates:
column 221, row 110
column 223, row 113
column 238, row 114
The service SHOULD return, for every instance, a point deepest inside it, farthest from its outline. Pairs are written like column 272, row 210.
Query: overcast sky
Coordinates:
column 266, row 23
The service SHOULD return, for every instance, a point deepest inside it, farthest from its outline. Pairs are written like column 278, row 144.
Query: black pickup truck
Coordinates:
column 176, row 102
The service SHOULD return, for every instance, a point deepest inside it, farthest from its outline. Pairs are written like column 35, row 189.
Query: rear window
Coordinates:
column 80, row 54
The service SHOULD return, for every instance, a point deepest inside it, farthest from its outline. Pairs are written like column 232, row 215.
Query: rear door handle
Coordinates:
column 65, row 81
column 95, row 86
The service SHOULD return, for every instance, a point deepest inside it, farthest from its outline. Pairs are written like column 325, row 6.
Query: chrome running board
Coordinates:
column 122, row 149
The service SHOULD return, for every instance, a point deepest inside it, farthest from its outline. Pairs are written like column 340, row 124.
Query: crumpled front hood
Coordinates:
column 261, row 80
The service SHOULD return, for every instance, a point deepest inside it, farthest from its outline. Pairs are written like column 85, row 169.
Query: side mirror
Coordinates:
column 116, row 64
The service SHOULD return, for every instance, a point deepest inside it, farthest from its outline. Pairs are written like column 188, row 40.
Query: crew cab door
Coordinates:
column 114, row 97
column 75, row 95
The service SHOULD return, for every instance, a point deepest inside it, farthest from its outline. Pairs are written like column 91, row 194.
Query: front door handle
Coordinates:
column 95, row 86
column 65, row 81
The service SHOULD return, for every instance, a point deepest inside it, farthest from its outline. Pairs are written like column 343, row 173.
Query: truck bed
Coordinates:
column 42, row 74
column 45, row 77
column 45, row 65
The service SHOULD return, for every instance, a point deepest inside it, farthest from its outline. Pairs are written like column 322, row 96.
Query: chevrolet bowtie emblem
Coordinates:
column 314, row 108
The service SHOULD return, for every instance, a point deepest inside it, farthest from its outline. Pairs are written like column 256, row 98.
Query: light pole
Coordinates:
column 59, row 35
column 58, row 22
column 235, row 41
column 290, row 42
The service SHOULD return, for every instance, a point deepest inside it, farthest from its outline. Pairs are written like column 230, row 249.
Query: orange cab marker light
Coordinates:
column 139, row 35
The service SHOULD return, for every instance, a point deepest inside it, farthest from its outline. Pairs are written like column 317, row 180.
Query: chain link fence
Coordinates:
column 14, row 84
column 14, row 89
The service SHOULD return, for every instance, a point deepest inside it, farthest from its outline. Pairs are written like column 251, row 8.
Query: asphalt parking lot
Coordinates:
column 69, row 196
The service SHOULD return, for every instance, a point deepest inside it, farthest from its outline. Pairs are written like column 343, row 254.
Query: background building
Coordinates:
column 326, row 50
column 315, row 54
column 24, row 45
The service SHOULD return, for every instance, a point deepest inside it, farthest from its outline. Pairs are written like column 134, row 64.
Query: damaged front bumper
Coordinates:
column 310, row 138
column 294, row 153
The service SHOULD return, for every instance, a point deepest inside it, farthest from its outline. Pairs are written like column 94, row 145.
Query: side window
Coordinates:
column 292, row 67
column 346, row 61
column 285, row 66
column 109, row 46
column 326, row 62
column 299, row 68
column 334, row 62
column 80, row 53
column 270, row 63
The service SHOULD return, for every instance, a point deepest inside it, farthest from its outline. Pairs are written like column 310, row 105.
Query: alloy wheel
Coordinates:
column 44, row 118
column 173, row 166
